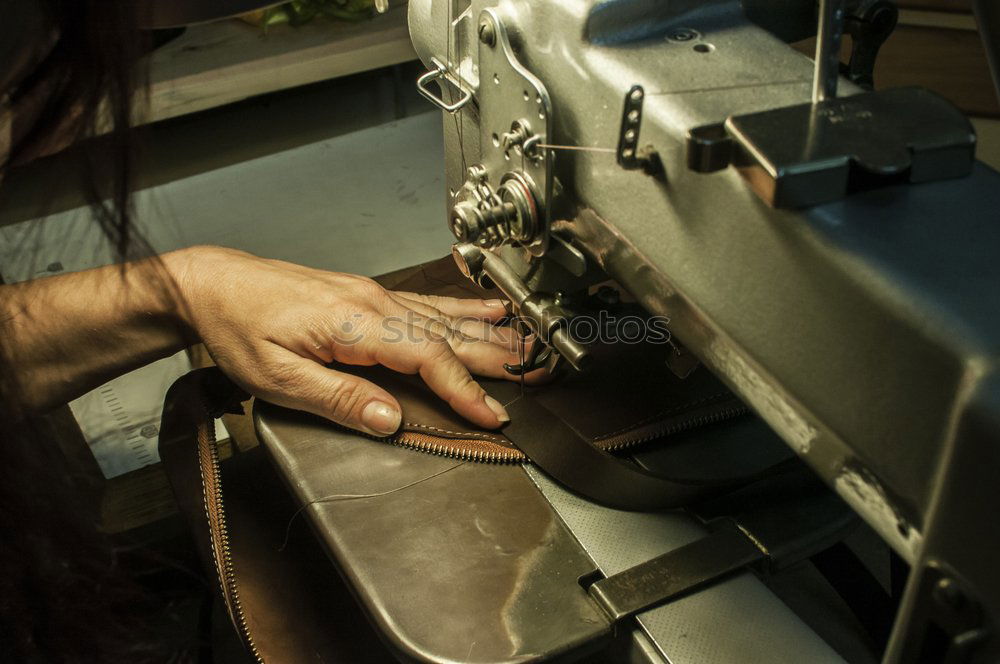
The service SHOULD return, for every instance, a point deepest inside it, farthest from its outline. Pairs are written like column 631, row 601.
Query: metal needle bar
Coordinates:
column 831, row 28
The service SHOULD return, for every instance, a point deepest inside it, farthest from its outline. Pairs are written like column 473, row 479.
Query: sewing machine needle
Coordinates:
column 520, row 353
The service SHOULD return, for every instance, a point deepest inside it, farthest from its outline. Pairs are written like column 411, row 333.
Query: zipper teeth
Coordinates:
column 465, row 449
column 625, row 441
column 219, row 536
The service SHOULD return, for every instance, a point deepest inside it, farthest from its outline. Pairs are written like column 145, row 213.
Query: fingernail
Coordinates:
column 494, row 304
column 497, row 408
column 381, row 417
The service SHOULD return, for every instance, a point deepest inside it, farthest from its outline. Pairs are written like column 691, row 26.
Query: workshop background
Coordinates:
column 303, row 138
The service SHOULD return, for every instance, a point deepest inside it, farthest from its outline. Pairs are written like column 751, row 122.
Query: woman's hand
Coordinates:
column 271, row 326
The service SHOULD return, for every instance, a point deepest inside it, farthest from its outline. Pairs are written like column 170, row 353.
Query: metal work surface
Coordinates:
column 454, row 561
column 470, row 562
column 736, row 620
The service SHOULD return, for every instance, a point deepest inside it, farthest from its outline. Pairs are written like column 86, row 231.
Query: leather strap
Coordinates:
column 571, row 460
column 576, row 463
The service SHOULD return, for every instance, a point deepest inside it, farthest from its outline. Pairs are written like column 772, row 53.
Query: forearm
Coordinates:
column 62, row 336
column 271, row 326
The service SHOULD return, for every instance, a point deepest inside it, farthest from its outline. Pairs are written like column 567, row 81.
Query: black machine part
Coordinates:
column 869, row 24
column 804, row 155
column 808, row 154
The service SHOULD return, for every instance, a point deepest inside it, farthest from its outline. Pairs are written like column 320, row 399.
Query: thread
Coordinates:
column 358, row 496
column 580, row 148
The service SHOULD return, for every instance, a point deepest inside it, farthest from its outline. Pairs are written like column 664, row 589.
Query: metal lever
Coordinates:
column 438, row 72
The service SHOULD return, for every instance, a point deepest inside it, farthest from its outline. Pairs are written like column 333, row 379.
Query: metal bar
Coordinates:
column 988, row 19
column 831, row 28
column 659, row 580
column 508, row 281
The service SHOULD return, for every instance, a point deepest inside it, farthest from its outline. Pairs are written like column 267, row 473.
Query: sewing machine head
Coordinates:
column 793, row 236
column 513, row 150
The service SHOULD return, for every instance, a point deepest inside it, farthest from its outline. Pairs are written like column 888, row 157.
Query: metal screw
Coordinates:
column 476, row 173
column 947, row 592
column 519, row 132
column 682, row 35
column 487, row 34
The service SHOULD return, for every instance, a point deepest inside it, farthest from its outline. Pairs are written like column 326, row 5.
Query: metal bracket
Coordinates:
column 630, row 156
column 568, row 256
column 515, row 119
column 675, row 573
column 768, row 525
column 439, row 73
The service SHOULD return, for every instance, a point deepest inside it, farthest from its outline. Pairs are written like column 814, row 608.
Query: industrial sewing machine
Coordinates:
column 827, row 251
column 861, row 327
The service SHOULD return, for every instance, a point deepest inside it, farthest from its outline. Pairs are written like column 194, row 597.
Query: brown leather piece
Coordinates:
column 629, row 392
column 297, row 607
column 628, row 396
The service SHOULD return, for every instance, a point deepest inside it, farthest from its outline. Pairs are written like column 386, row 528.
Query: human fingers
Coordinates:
column 297, row 382
column 455, row 307
column 429, row 355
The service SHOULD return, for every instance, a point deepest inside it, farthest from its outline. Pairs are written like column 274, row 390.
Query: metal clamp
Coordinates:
column 438, row 72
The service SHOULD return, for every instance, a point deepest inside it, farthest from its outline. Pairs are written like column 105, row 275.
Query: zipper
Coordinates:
column 648, row 434
column 485, row 451
column 463, row 449
column 211, row 479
